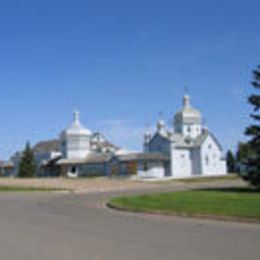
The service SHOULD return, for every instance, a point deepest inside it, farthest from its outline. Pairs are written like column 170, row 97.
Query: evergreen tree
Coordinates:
column 231, row 162
column 253, row 162
column 27, row 166
column 244, row 151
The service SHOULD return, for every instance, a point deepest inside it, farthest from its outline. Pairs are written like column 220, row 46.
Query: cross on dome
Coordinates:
column 76, row 116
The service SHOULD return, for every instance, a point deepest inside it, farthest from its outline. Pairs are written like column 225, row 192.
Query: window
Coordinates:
column 182, row 160
column 188, row 129
column 209, row 146
column 207, row 159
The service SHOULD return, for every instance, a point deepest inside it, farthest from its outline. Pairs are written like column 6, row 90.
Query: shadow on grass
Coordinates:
column 232, row 189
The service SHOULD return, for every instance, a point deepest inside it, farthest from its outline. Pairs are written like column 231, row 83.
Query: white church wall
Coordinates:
column 191, row 130
column 211, row 158
column 77, row 147
column 181, row 165
column 196, row 161
column 150, row 170
column 77, row 154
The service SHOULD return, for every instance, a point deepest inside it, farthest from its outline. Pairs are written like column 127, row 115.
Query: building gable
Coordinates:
column 160, row 144
column 211, row 140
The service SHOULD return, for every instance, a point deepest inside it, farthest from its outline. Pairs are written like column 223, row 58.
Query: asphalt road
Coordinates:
column 79, row 227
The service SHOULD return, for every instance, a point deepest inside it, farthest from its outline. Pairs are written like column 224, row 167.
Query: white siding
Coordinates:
column 181, row 165
column 75, row 146
column 196, row 161
column 191, row 130
column 153, row 170
column 211, row 158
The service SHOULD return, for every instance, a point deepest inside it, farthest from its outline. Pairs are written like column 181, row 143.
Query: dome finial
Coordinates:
column 76, row 116
column 186, row 101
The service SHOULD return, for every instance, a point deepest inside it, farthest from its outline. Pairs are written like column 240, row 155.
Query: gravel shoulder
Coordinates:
column 100, row 185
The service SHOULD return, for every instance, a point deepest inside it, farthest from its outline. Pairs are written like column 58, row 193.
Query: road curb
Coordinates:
column 186, row 215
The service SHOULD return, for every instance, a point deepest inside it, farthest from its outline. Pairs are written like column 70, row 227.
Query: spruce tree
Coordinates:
column 253, row 162
column 27, row 166
column 244, row 152
column 231, row 163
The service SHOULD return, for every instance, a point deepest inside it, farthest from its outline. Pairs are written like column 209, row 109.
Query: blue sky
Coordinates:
column 120, row 62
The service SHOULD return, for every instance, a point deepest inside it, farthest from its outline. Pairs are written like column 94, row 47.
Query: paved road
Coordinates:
column 78, row 227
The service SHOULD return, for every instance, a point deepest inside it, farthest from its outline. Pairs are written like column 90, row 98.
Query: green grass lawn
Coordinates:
column 26, row 189
column 238, row 203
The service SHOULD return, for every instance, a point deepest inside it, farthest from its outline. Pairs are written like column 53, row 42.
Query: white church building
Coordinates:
column 192, row 149
column 187, row 149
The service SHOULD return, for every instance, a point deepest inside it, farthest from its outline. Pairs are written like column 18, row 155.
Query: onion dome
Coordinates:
column 187, row 114
column 160, row 124
column 76, row 127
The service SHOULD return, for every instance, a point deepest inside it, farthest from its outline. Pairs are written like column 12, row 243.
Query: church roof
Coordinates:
column 90, row 159
column 6, row 164
column 54, row 145
column 47, row 146
column 99, row 142
column 151, row 156
column 105, row 157
column 201, row 138
column 188, row 114
column 181, row 141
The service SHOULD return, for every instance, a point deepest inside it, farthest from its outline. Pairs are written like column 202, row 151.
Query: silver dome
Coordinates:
column 76, row 128
column 187, row 114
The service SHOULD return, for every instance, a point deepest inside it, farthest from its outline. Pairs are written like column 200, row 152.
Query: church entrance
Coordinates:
column 73, row 171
